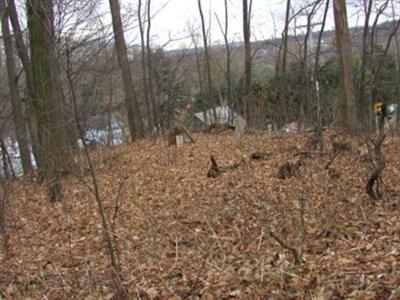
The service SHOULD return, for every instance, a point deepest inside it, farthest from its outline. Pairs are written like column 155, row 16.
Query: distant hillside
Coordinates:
column 266, row 50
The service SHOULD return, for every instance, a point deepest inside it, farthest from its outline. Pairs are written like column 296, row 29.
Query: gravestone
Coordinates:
column 240, row 127
column 179, row 139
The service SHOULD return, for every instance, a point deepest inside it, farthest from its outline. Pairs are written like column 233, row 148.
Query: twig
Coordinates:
column 4, row 294
column 117, row 202
column 302, row 221
column 309, row 152
column 297, row 258
column 121, row 290
column 58, row 273
column 115, row 267
column 194, row 286
column 325, row 230
column 260, row 240
column 184, row 129
column 329, row 163
column 167, row 286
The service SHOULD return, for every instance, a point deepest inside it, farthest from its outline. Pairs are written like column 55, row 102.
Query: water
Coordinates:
column 99, row 136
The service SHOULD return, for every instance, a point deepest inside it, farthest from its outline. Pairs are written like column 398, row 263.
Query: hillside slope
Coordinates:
column 180, row 234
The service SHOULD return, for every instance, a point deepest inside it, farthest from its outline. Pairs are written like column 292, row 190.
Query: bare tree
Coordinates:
column 397, row 40
column 22, row 51
column 150, row 68
column 206, row 55
column 134, row 118
column 379, row 13
column 284, row 44
column 317, row 74
column 199, row 69
column 246, row 6
column 8, row 169
column 224, row 30
column 145, row 80
column 380, row 60
column 110, row 246
column 344, row 52
column 365, row 63
column 19, row 122
column 305, row 64
column 54, row 152
column 281, row 66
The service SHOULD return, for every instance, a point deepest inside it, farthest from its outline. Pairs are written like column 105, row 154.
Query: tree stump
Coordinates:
column 214, row 170
column 289, row 169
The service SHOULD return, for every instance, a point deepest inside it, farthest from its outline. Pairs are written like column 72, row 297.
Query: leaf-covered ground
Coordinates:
column 180, row 234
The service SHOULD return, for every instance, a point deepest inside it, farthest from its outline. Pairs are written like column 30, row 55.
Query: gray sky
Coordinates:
column 174, row 16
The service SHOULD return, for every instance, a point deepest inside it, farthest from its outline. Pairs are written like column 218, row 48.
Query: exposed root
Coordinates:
column 372, row 186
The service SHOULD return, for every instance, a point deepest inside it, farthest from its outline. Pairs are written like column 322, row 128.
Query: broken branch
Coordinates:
column 296, row 255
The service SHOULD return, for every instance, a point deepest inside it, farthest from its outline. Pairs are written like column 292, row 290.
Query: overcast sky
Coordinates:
column 174, row 16
column 178, row 14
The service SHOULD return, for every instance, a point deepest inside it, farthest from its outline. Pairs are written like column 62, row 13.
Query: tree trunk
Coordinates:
column 381, row 9
column 316, row 75
column 363, row 97
column 198, row 64
column 344, row 52
column 144, row 69
column 374, row 62
column 305, row 64
column 4, row 160
column 281, row 70
column 285, row 39
column 228, row 57
column 206, row 57
column 110, row 136
column 134, row 118
column 19, row 122
column 397, row 40
column 150, row 70
column 53, row 146
column 199, row 76
column 26, row 62
column 228, row 75
column 247, row 60
column 21, row 48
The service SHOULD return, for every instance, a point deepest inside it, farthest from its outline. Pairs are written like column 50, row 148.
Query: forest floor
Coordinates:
column 182, row 235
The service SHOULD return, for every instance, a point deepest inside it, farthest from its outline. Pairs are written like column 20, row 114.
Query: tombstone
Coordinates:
column 179, row 139
column 240, row 127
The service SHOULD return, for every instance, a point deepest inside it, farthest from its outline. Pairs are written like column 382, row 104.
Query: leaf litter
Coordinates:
column 182, row 235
